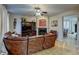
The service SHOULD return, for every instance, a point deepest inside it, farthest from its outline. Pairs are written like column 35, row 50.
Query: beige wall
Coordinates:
column 11, row 19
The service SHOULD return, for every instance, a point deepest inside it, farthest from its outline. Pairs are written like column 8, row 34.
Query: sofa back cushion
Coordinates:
column 16, row 47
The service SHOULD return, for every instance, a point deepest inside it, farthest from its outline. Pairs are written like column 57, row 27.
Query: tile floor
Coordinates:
column 65, row 47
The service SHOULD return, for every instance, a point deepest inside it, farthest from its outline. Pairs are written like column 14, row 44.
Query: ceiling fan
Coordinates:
column 39, row 12
column 44, row 13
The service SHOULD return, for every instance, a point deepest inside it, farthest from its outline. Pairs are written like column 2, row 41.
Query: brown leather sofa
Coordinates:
column 16, row 46
column 49, row 41
column 25, row 46
column 35, row 44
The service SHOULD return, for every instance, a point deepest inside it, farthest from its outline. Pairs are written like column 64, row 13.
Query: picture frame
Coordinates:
column 54, row 23
column 14, row 23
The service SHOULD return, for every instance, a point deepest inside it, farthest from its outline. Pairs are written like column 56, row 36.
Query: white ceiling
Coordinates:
column 51, row 9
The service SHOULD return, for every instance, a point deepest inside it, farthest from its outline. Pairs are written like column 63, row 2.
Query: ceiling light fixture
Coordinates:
column 37, row 11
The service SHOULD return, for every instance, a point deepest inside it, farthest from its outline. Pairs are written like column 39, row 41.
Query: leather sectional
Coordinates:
column 29, row 45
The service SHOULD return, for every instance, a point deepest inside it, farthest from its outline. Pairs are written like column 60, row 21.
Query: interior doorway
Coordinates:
column 70, row 31
column 70, row 27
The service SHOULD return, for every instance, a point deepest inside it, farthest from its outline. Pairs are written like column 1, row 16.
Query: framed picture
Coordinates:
column 54, row 23
column 42, row 22
column 14, row 23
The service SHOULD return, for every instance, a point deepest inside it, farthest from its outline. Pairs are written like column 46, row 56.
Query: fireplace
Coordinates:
column 42, row 31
